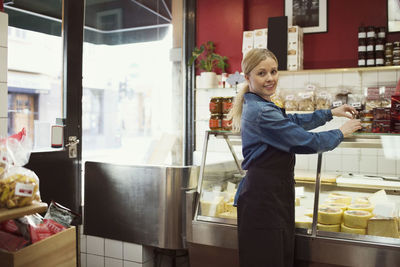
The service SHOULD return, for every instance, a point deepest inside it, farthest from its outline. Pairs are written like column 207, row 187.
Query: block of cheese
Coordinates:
column 212, row 207
column 350, row 230
column 303, row 222
column 228, row 207
column 341, row 206
column 328, row 227
column 329, row 215
column 365, row 207
column 297, row 201
column 383, row 227
column 339, row 198
column 356, row 218
column 309, row 213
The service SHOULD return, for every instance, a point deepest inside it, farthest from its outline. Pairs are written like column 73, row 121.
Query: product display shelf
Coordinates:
column 35, row 207
column 312, row 245
column 335, row 70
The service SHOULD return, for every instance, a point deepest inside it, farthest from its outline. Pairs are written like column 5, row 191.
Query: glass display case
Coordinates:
column 356, row 209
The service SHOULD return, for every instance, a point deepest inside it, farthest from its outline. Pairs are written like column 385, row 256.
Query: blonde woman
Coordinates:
column 270, row 140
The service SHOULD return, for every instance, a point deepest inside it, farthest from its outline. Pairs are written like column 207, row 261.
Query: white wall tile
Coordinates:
column 370, row 78
column 318, row 80
column 110, row 262
column 133, row 252
column 313, row 162
column 95, row 245
column 301, row 162
column 3, row 29
column 3, row 64
column 132, row 264
column 350, row 163
column 95, row 261
column 83, row 243
column 351, row 79
column 285, row 81
column 3, row 100
column 300, row 80
column 3, row 127
column 351, row 151
column 332, row 162
column 83, row 259
column 369, row 152
column 368, row 164
column 386, row 166
column 333, row 79
column 113, row 248
column 387, row 77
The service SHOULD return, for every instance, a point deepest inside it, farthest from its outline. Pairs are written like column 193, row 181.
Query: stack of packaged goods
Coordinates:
column 395, row 114
column 259, row 39
column 218, row 202
column 219, row 118
column 371, row 46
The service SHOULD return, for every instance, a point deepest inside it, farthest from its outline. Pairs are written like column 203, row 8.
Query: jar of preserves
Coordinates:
column 227, row 103
column 379, row 58
column 370, row 32
column 226, row 123
column 370, row 59
column 382, row 32
column 362, row 45
column 362, row 32
column 370, row 44
column 362, row 59
column 396, row 61
column 379, row 44
column 215, row 122
column 215, row 105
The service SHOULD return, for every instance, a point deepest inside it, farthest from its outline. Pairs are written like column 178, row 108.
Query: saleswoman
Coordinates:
column 270, row 139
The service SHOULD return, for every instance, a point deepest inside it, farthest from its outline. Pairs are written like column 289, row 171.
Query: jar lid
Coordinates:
column 371, row 28
column 388, row 44
column 382, row 29
column 361, row 29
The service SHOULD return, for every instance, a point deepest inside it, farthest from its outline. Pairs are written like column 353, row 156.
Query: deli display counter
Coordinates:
column 357, row 221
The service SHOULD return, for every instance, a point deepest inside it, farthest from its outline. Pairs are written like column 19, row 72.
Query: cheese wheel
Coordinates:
column 350, row 230
column 362, row 200
column 341, row 206
column 228, row 207
column 339, row 198
column 328, row 227
column 303, row 222
column 329, row 215
column 365, row 207
column 212, row 208
column 228, row 215
column 356, row 218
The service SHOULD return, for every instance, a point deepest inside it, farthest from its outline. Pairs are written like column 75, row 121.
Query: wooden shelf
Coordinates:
column 314, row 71
column 35, row 207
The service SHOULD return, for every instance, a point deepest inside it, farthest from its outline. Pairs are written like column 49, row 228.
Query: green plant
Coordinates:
column 207, row 59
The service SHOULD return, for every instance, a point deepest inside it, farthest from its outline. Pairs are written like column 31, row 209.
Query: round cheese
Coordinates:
column 309, row 213
column 364, row 207
column 329, row 215
column 339, row 198
column 350, row 230
column 356, row 218
column 362, row 200
column 328, row 227
column 303, row 222
column 341, row 206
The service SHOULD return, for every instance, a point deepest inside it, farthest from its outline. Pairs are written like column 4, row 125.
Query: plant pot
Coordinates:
column 208, row 80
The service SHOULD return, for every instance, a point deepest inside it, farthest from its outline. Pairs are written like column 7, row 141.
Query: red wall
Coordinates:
column 223, row 22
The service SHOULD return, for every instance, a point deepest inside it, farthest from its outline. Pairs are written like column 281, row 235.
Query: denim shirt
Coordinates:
column 264, row 124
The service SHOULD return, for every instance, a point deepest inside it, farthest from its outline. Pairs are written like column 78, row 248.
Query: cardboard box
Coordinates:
column 295, row 48
column 57, row 250
column 261, row 38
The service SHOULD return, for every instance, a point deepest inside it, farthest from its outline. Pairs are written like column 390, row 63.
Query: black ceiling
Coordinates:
column 106, row 21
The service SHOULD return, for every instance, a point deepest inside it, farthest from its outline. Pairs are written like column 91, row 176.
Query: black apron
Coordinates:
column 266, row 211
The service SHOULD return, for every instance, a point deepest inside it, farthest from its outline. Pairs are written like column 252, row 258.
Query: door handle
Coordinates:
column 73, row 141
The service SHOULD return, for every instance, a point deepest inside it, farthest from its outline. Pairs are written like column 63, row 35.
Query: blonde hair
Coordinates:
column 249, row 62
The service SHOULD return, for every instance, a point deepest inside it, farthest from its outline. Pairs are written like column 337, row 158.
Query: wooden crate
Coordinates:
column 57, row 250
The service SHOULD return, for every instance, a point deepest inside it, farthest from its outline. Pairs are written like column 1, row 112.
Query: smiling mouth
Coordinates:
column 269, row 86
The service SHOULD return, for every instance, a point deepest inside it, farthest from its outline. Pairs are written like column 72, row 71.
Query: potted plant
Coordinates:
column 208, row 61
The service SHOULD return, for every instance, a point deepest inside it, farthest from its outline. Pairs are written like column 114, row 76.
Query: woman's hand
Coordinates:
column 350, row 127
column 344, row 111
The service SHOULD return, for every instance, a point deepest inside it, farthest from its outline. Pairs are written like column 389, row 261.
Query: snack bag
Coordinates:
column 18, row 188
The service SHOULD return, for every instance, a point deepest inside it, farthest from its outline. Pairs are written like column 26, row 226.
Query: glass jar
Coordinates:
column 379, row 58
column 382, row 32
column 215, row 122
column 362, row 32
column 379, row 44
column 370, row 59
column 362, row 45
column 370, row 44
column 215, row 105
column 226, row 123
column 362, row 59
column 227, row 103
column 370, row 32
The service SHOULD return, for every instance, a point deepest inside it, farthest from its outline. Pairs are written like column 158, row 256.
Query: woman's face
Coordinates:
column 263, row 79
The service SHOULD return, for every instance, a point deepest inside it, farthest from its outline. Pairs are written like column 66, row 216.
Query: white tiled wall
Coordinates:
column 3, row 73
column 367, row 160
column 103, row 252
